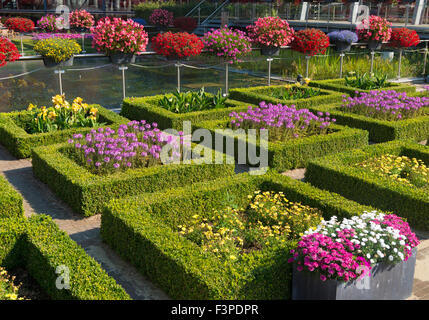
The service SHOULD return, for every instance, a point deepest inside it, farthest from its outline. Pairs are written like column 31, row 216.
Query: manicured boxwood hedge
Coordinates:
column 143, row 230
column 295, row 153
column 416, row 129
column 255, row 95
column 19, row 142
column 10, row 200
column 87, row 193
column 147, row 108
column 336, row 173
column 40, row 247
column 340, row 85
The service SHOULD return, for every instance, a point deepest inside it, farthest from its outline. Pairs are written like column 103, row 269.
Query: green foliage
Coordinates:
column 86, row 193
column 143, row 230
column 294, row 93
column 40, row 247
column 366, row 82
column 150, row 109
column 190, row 101
column 10, row 200
column 337, row 173
column 293, row 153
column 20, row 143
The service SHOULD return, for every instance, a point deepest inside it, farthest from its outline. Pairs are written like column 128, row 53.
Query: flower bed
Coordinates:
column 8, row 52
column 150, row 109
column 38, row 246
column 343, row 174
column 177, row 45
column 8, row 290
column 181, row 267
column 19, row 142
column 10, row 200
column 295, row 136
column 341, row 86
column 88, row 187
column 254, row 95
column 381, row 130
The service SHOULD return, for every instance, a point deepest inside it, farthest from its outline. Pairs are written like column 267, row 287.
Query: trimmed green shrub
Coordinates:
column 20, row 143
column 293, row 153
column 10, row 200
column 255, row 95
column 40, row 247
column 87, row 193
column 144, row 230
column 147, row 108
column 337, row 174
column 340, row 85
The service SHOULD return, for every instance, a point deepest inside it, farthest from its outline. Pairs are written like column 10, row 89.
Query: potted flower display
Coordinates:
column 270, row 33
column 57, row 51
column 161, row 18
column 342, row 39
column 120, row 39
column 404, row 38
column 177, row 46
column 19, row 24
column 8, row 51
column 49, row 23
column 310, row 42
column 187, row 24
column 227, row 43
column 375, row 30
column 371, row 256
column 81, row 20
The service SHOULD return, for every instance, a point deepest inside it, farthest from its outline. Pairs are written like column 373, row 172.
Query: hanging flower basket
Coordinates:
column 51, row 63
column 177, row 45
column 343, row 40
column 57, row 51
column 121, row 58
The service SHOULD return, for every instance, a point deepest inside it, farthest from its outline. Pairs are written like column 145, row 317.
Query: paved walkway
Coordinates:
column 85, row 231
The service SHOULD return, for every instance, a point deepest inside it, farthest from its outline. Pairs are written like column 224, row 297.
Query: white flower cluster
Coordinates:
column 377, row 243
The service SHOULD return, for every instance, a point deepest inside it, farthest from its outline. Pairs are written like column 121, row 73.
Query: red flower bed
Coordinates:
column 404, row 38
column 187, row 24
column 310, row 42
column 19, row 24
column 8, row 51
column 177, row 45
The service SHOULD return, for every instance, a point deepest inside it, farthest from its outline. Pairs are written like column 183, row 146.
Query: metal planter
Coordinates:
column 51, row 63
column 386, row 282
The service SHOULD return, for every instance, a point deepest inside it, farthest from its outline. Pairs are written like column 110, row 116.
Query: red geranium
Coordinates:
column 180, row 44
column 310, row 42
column 8, row 51
column 404, row 38
column 19, row 24
column 187, row 24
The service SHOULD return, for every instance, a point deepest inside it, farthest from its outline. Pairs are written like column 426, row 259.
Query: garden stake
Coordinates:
column 269, row 70
column 178, row 65
column 83, row 42
column 226, row 78
column 341, row 64
column 60, row 80
column 307, row 58
column 399, row 63
column 123, row 68
column 372, row 60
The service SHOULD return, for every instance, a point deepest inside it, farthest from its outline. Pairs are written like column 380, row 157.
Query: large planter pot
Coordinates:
column 122, row 58
column 342, row 46
column 374, row 45
column 51, row 63
column 386, row 282
column 270, row 51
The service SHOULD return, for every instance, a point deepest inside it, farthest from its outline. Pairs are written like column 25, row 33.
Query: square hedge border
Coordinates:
column 336, row 173
column 295, row 153
column 142, row 230
column 87, row 193
column 20, row 143
column 339, row 85
column 146, row 108
column 10, row 200
column 255, row 95
column 37, row 245
column 416, row 129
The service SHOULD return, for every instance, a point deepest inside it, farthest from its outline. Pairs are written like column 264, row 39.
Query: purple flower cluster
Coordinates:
column 334, row 259
column 282, row 121
column 385, row 105
column 134, row 145
column 42, row 36
column 227, row 43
